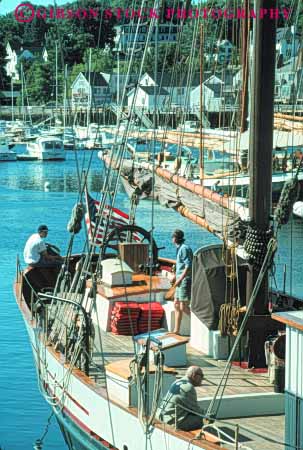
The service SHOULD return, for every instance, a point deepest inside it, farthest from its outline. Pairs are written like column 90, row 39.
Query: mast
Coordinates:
column 56, row 70
column 89, row 99
column 260, row 157
column 245, row 67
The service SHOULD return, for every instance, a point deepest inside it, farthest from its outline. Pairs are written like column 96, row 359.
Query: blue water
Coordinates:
column 25, row 205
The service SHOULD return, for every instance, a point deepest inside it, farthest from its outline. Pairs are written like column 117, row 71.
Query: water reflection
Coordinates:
column 60, row 176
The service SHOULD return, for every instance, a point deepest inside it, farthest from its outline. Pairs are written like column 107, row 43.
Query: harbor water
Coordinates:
column 26, row 203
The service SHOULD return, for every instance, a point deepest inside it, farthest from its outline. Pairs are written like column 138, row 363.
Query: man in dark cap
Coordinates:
column 182, row 280
column 35, row 251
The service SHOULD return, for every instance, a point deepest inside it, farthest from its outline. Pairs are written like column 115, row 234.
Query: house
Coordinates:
column 288, row 43
column 127, row 34
column 148, row 98
column 123, row 81
column 224, row 49
column 17, row 54
column 178, row 88
column 218, row 93
column 289, row 82
column 90, row 89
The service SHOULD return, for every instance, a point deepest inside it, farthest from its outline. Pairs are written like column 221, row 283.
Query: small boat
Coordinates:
column 5, row 153
column 298, row 209
column 46, row 148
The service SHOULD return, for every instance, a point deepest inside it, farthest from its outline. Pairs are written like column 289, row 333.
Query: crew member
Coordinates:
column 35, row 250
column 182, row 279
column 180, row 405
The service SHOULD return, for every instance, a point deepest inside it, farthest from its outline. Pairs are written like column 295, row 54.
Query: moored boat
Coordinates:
column 46, row 148
column 6, row 154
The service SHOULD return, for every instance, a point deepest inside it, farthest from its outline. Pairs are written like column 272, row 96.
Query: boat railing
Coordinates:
column 229, row 434
column 44, row 298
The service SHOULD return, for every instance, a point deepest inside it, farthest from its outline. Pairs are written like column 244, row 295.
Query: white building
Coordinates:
column 127, row 34
column 218, row 94
column 178, row 88
column 224, row 51
column 144, row 98
column 288, row 43
column 14, row 55
column 90, row 89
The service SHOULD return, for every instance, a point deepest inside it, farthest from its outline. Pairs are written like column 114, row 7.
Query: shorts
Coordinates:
column 183, row 291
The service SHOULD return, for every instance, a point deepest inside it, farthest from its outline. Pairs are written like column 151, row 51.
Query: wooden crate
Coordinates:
column 134, row 254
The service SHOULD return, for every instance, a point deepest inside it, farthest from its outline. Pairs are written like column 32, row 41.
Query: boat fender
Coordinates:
column 74, row 224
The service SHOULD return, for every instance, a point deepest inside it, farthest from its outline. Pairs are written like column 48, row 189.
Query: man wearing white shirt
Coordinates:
column 35, row 251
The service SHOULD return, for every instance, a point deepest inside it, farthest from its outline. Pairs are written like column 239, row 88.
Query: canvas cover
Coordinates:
column 209, row 284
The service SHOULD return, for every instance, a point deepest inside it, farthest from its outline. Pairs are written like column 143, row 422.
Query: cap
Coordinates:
column 42, row 228
column 178, row 234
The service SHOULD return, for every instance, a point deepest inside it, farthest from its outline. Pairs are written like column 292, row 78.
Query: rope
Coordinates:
column 271, row 249
column 38, row 445
column 74, row 224
column 289, row 195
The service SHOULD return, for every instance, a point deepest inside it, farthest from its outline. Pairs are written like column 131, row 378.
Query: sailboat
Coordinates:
column 95, row 324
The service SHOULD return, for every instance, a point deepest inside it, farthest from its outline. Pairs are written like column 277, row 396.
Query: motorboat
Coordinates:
column 46, row 148
column 5, row 153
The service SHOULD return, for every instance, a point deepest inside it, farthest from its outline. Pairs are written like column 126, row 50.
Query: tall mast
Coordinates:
column 245, row 67
column 260, row 157
column 56, row 69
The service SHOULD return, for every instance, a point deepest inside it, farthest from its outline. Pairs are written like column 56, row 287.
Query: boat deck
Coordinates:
column 240, row 381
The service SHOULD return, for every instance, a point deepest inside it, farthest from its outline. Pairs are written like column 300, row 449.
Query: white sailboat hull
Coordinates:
column 87, row 418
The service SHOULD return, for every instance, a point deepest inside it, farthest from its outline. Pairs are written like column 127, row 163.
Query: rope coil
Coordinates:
column 256, row 243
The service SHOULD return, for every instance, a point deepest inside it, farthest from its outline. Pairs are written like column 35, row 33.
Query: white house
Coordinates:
column 13, row 55
column 288, row 43
column 125, row 83
column 178, row 88
column 224, row 51
column 146, row 99
column 127, row 34
column 218, row 94
column 90, row 89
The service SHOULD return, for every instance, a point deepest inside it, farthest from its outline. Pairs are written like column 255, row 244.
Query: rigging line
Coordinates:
column 271, row 248
column 122, row 152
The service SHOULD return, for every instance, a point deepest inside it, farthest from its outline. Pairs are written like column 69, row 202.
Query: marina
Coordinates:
column 151, row 184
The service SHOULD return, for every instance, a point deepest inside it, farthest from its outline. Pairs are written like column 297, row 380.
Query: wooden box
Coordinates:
column 134, row 254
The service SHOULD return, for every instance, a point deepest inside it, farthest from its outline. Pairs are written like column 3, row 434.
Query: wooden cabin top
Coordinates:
column 122, row 369
column 142, row 284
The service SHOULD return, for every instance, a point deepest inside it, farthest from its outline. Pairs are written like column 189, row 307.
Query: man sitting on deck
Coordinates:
column 35, row 251
column 181, row 395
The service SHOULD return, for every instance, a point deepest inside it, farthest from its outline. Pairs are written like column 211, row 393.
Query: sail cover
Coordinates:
column 209, row 284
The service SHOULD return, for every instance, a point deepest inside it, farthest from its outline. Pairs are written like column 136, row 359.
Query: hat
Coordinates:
column 179, row 235
column 42, row 228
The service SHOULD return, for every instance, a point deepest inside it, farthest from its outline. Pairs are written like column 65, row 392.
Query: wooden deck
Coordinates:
column 240, row 381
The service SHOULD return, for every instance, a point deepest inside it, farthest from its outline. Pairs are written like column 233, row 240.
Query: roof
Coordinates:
column 150, row 90
column 216, row 88
column 167, row 79
column 96, row 78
